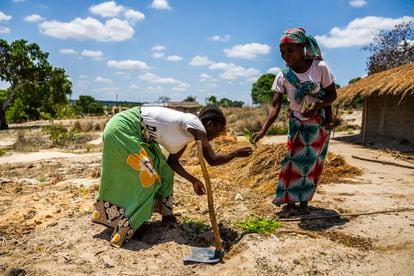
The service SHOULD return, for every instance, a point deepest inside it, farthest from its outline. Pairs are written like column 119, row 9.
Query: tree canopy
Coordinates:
column 261, row 89
column 391, row 48
column 36, row 87
column 88, row 105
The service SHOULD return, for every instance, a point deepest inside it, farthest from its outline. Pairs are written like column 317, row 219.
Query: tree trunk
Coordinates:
column 3, row 123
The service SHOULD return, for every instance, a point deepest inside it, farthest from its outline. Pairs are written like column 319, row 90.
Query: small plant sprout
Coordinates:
column 258, row 225
column 249, row 136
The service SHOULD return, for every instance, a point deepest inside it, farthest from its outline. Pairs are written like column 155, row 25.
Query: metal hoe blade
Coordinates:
column 204, row 255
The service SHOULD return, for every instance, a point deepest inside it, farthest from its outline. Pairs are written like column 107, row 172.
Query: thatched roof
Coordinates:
column 398, row 81
column 183, row 104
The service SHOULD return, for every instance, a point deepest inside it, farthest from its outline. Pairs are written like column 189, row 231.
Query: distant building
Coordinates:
column 119, row 108
column 388, row 103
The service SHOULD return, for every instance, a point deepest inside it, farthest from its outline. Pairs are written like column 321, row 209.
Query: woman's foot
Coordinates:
column 303, row 208
column 288, row 211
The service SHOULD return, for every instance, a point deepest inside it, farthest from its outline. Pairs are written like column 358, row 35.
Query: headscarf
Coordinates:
column 298, row 35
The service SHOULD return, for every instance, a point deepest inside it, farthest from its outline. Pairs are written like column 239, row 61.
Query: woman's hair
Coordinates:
column 212, row 113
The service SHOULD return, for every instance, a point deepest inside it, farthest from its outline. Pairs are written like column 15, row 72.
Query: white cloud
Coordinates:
column 274, row 70
column 19, row 1
column 359, row 31
column 247, row 51
column 68, row 51
column 4, row 30
column 103, row 80
column 160, row 5
column 83, row 76
column 128, row 64
column 158, row 55
column 97, row 55
column 206, row 77
column 177, row 84
column 357, row 3
column 219, row 38
column 200, row 61
column 88, row 29
column 5, row 17
column 158, row 48
column 134, row 16
column 232, row 71
column 107, row 9
column 33, row 18
column 174, row 58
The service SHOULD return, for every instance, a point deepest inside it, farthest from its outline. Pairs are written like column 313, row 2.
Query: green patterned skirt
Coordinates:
column 134, row 174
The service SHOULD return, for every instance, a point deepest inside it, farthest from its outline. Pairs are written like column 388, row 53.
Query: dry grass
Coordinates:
column 261, row 170
column 239, row 119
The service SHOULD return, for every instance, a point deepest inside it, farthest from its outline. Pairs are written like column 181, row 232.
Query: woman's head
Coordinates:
column 292, row 53
column 295, row 40
column 213, row 120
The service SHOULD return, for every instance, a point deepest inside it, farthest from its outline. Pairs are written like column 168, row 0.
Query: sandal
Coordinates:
column 288, row 211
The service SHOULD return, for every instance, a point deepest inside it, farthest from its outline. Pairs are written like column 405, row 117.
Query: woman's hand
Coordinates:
column 310, row 111
column 199, row 188
column 243, row 152
column 257, row 136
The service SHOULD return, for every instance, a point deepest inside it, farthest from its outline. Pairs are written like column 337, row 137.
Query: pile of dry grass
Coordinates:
column 261, row 170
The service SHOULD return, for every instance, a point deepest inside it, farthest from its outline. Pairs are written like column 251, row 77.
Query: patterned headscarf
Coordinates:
column 298, row 35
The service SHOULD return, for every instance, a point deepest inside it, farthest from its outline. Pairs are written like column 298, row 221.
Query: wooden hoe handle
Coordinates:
column 216, row 231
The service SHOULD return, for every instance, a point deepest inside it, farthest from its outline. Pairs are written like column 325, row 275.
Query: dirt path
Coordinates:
column 45, row 228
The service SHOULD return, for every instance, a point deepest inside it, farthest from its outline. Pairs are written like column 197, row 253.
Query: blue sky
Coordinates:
column 141, row 50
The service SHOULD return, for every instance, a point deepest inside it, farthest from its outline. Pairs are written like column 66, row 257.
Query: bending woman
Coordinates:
column 136, row 177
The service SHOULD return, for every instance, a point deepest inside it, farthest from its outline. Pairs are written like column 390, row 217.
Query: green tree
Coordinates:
column 391, row 49
column 212, row 100
column 88, row 105
column 190, row 99
column 261, row 89
column 45, row 99
column 354, row 80
column 163, row 99
column 32, row 79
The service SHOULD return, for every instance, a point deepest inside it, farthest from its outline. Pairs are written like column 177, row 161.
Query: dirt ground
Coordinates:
column 46, row 201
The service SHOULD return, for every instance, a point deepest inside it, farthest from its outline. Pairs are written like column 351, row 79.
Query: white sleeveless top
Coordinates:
column 168, row 127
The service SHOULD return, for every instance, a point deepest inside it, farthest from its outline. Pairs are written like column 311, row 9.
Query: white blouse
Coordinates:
column 169, row 127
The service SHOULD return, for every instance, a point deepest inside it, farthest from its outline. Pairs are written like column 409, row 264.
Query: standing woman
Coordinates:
column 137, row 177
column 310, row 89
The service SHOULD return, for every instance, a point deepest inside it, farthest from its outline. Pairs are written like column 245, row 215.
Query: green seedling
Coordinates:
column 198, row 226
column 258, row 225
column 249, row 136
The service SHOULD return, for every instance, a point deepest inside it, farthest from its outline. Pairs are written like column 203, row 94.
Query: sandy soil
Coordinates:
column 45, row 229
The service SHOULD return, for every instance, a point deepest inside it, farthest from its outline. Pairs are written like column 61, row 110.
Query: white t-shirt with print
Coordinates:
column 168, row 127
column 318, row 73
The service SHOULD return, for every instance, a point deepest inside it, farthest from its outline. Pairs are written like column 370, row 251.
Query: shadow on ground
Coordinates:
column 154, row 233
column 379, row 142
column 320, row 219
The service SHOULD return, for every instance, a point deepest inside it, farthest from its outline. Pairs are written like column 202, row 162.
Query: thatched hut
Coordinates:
column 388, row 103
